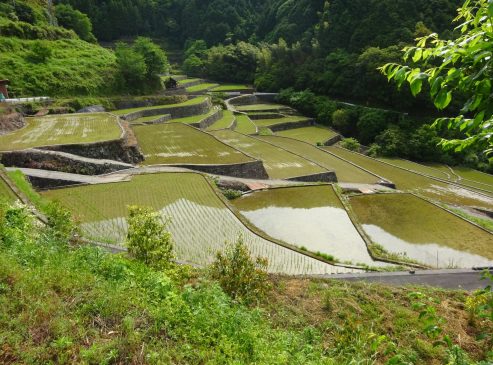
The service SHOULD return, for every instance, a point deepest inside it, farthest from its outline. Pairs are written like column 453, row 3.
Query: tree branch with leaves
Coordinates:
column 461, row 67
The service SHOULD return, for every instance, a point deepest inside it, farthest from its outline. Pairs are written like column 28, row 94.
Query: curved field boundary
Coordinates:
column 255, row 230
column 329, row 176
column 288, row 138
column 293, row 153
column 280, row 245
column 209, row 120
column 359, row 229
column 418, row 196
column 175, row 111
column 245, row 115
column 478, row 191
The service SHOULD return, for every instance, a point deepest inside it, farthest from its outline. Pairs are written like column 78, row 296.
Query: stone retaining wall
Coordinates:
column 175, row 112
column 329, row 176
column 160, row 120
column 248, row 170
column 42, row 183
column 285, row 126
column 333, row 140
column 265, row 116
column 210, row 120
column 125, row 149
column 57, row 161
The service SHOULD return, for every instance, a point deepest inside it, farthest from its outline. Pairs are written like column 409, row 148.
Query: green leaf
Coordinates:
column 490, row 8
column 443, row 99
column 416, row 86
column 417, row 55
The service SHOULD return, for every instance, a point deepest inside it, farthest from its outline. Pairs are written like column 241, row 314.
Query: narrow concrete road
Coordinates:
column 464, row 279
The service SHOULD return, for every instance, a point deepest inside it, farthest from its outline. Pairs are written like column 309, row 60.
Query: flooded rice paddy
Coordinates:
column 312, row 217
column 406, row 224
column 199, row 221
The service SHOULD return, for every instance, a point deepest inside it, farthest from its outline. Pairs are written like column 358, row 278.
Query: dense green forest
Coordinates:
column 323, row 48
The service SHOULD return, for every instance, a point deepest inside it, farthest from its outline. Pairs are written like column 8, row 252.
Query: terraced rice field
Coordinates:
column 225, row 88
column 272, row 122
column 279, row 163
column 200, row 222
column 408, row 181
column 194, row 118
column 260, row 107
column 443, row 174
column 194, row 101
column 403, row 223
column 147, row 119
column 245, row 125
column 455, row 174
column 187, row 81
column 312, row 135
column 201, row 87
column 345, row 171
column 177, row 143
column 62, row 129
column 312, row 217
column 225, row 122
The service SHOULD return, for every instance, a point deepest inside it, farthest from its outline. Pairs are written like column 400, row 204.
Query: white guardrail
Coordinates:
column 25, row 100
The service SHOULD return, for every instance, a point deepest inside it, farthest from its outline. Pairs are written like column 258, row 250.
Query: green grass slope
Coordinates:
column 75, row 67
column 83, row 306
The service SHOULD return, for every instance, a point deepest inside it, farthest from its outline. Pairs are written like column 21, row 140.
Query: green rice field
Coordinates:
column 225, row 122
column 312, row 217
column 457, row 174
column 194, row 118
column 260, row 107
column 187, row 81
column 224, row 88
column 61, row 130
column 408, row 181
column 271, row 122
column 201, row 87
column 312, row 135
column 406, row 224
column 345, row 171
column 279, row 163
column 194, row 101
column 245, row 125
column 200, row 222
column 439, row 173
column 177, row 143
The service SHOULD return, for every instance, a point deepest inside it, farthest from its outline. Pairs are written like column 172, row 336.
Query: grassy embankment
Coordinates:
column 64, row 305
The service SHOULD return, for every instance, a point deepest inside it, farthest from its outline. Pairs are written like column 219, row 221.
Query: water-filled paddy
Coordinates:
column 177, row 143
column 404, row 223
column 409, row 181
column 312, row 217
column 200, row 222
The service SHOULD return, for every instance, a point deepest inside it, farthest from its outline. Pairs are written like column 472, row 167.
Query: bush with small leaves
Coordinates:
column 241, row 276
column 147, row 239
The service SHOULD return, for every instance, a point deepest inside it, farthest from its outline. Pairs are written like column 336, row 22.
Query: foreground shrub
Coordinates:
column 148, row 240
column 241, row 276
